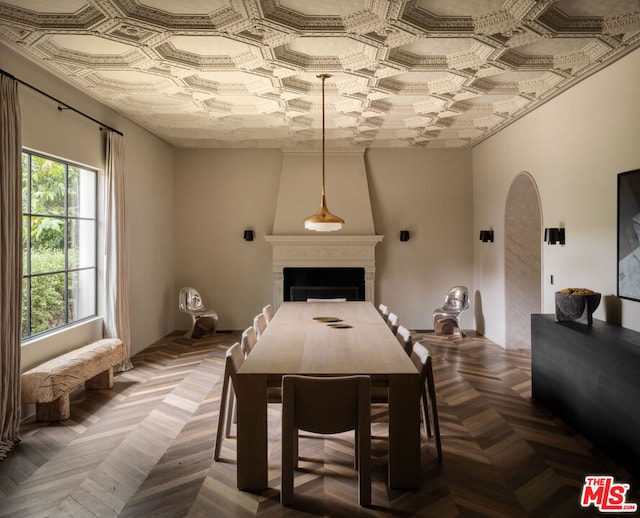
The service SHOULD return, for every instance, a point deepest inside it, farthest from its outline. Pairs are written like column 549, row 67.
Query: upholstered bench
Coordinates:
column 48, row 385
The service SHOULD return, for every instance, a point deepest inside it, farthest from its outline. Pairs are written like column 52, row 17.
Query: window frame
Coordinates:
column 27, row 275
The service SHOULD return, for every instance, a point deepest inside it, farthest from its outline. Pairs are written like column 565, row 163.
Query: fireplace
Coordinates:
column 300, row 284
column 332, row 258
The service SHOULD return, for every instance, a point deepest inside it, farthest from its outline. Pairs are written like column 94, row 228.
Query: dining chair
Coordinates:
column 384, row 311
column 421, row 358
column 232, row 363
column 326, row 405
column 393, row 321
column 259, row 324
column 406, row 340
column 248, row 340
column 267, row 311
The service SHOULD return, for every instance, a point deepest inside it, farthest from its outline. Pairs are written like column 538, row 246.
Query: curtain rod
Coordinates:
column 66, row 106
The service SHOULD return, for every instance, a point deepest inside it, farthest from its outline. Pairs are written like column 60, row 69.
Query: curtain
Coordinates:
column 10, row 263
column 116, row 249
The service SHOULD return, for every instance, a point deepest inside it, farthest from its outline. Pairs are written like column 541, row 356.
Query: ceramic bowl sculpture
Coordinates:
column 576, row 305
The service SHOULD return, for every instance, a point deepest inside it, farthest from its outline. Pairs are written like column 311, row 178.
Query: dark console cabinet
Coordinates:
column 590, row 377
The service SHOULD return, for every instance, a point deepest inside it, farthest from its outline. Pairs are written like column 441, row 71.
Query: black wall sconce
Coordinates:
column 248, row 235
column 405, row 235
column 554, row 235
column 486, row 236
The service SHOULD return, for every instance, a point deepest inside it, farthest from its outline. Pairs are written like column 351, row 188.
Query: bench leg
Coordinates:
column 57, row 410
column 104, row 380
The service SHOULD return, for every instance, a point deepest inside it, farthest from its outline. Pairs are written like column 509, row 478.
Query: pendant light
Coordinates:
column 323, row 220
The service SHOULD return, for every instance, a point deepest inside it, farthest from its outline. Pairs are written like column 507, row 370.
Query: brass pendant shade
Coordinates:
column 323, row 220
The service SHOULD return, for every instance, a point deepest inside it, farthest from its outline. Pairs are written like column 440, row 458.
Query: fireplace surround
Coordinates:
column 329, row 252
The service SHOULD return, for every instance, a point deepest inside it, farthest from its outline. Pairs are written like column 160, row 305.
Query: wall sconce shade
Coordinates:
column 486, row 236
column 554, row 235
column 248, row 235
column 405, row 235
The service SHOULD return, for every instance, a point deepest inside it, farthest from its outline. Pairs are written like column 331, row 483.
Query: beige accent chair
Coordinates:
column 326, row 405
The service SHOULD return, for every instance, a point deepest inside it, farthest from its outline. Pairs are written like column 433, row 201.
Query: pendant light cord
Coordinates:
column 323, row 77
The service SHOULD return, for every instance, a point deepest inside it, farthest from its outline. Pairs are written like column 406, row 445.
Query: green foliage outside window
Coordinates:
column 53, row 242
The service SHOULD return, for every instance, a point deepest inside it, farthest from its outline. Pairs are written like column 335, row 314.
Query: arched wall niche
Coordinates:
column 523, row 260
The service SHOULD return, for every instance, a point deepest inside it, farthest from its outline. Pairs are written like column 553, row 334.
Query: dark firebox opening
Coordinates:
column 323, row 283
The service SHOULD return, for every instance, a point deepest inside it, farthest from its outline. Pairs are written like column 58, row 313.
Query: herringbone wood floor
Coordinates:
column 145, row 448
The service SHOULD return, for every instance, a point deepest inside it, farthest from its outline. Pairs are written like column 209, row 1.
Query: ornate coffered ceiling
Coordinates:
column 242, row 73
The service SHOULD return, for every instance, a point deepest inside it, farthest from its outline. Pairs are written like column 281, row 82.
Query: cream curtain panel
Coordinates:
column 116, row 318
column 10, row 263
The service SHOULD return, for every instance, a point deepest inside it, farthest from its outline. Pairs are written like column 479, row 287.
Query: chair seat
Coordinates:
column 204, row 313
column 446, row 311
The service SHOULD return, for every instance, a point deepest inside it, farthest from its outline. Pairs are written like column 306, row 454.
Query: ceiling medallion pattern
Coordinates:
column 241, row 73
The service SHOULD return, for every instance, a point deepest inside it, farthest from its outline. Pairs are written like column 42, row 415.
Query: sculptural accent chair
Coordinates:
column 446, row 320
column 203, row 321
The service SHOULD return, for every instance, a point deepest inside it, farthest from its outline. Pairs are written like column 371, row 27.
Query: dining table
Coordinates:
column 328, row 339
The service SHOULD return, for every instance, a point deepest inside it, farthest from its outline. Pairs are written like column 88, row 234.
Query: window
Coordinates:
column 59, row 243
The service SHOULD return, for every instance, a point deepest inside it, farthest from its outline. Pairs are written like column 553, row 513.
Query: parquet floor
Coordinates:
column 145, row 448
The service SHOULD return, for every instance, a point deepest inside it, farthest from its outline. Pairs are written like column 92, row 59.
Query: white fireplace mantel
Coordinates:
column 320, row 251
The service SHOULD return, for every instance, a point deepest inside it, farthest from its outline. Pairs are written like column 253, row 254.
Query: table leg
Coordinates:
column 404, row 431
column 252, row 432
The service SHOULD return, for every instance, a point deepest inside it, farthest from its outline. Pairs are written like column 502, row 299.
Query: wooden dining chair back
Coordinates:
column 326, row 405
column 406, row 340
column 259, row 324
column 393, row 321
column 384, row 311
column 248, row 340
column 234, row 359
column 267, row 311
column 421, row 358
column 232, row 363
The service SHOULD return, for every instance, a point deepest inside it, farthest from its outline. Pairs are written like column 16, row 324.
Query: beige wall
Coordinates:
column 219, row 193
column 573, row 146
column 149, row 166
column 427, row 192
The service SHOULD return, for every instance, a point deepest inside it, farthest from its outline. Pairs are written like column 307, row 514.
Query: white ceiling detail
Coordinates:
column 242, row 73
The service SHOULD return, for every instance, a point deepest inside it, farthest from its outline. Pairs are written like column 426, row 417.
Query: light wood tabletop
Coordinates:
column 296, row 342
